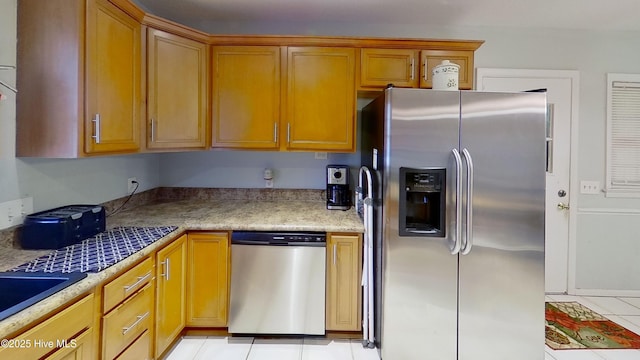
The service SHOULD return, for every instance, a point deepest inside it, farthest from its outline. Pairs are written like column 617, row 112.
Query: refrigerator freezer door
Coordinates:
column 502, row 277
column 420, row 274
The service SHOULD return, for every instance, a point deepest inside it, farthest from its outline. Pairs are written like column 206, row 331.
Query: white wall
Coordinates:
column 54, row 183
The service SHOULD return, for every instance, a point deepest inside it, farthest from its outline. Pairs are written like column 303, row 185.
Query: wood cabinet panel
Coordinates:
column 246, row 96
column 170, row 293
column 62, row 326
column 380, row 67
column 77, row 58
column 79, row 348
column 177, row 104
column 113, row 64
column 321, row 99
column 126, row 322
column 431, row 58
column 208, row 279
column 344, row 294
column 127, row 284
column 139, row 350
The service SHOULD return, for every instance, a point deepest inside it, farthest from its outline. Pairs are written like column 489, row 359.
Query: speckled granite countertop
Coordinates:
column 198, row 214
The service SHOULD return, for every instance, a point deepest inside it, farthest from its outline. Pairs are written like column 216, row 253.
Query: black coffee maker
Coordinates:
column 338, row 192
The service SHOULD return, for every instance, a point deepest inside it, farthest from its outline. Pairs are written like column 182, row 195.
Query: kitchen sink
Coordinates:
column 19, row 290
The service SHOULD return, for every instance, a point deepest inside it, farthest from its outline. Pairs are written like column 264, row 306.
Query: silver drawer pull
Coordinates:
column 141, row 279
column 139, row 318
column 167, row 266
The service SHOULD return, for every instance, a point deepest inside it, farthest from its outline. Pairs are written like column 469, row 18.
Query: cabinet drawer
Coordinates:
column 80, row 348
column 139, row 350
column 126, row 322
column 127, row 284
column 33, row 344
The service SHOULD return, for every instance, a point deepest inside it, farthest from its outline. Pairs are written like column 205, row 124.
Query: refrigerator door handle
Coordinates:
column 458, row 233
column 469, row 226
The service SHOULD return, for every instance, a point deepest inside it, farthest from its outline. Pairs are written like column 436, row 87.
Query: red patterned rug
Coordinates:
column 570, row 325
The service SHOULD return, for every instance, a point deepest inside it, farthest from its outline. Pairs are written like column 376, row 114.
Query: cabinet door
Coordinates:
column 344, row 294
column 113, row 79
column 177, row 78
column 170, row 293
column 430, row 58
column 78, row 348
column 381, row 67
column 208, row 279
column 320, row 99
column 246, row 96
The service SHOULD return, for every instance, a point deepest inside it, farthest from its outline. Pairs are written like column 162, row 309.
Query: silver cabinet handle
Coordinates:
column 96, row 122
column 153, row 130
column 412, row 69
column 275, row 132
column 458, row 233
column 139, row 318
column 141, row 279
column 424, row 70
column 469, row 230
column 335, row 254
column 288, row 133
column 167, row 266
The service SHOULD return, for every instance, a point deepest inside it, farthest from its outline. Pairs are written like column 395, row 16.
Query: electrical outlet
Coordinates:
column 131, row 185
column 590, row 187
column 320, row 155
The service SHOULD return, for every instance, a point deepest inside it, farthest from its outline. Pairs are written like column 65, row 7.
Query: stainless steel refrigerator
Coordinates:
column 458, row 229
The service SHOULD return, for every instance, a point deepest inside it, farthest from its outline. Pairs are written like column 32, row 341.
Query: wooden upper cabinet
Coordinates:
column 79, row 78
column 381, row 67
column 320, row 99
column 246, row 97
column 410, row 68
column 113, row 80
column 430, row 58
column 177, row 93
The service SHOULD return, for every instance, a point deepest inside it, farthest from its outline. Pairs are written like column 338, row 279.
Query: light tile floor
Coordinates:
column 246, row 348
column 624, row 311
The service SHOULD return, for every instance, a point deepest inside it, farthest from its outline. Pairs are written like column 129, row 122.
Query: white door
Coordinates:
column 562, row 90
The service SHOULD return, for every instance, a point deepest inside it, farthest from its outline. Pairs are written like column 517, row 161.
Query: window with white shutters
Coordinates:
column 623, row 135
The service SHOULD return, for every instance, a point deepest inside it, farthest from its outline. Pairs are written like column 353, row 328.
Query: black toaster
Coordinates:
column 63, row 226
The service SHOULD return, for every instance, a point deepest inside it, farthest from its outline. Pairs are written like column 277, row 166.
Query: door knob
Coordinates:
column 562, row 206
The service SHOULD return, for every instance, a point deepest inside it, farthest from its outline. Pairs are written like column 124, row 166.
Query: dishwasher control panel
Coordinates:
column 278, row 238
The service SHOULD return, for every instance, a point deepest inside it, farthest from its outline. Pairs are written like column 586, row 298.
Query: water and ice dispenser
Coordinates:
column 422, row 202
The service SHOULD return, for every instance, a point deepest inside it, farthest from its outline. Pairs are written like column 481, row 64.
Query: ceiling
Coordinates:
column 563, row 14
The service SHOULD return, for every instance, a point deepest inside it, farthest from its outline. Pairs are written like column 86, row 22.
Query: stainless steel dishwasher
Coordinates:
column 277, row 283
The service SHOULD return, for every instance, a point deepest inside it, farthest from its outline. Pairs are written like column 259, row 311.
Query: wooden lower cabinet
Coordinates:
column 123, row 325
column 344, row 269
column 208, row 279
column 171, row 276
column 139, row 350
column 57, row 335
column 80, row 348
